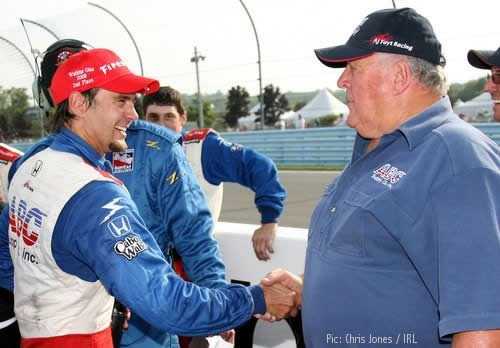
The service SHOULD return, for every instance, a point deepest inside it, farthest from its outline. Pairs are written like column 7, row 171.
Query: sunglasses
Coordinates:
column 495, row 77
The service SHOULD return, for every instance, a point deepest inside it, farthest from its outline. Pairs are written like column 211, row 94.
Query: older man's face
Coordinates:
column 492, row 86
column 367, row 88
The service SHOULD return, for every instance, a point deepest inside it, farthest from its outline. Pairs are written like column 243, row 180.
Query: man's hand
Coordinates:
column 279, row 300
column 290, row 281
column 263, row 239
column 127, row 318
column 228, row 336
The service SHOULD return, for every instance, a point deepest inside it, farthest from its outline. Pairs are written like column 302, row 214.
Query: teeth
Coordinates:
column 122, row 129
column 496, row 101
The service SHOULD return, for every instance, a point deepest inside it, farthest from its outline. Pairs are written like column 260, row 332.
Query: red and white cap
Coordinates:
column 98, row 68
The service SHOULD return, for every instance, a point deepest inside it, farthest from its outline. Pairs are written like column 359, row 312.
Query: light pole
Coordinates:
column 195, row 60
column 261, row 99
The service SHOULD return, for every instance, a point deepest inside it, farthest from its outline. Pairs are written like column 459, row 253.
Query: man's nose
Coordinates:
column 343, row 80
column 131, row 114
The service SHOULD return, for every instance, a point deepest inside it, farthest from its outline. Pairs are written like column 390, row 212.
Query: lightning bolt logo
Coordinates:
column 172, row 178
column 153, row 144
column 113, row 208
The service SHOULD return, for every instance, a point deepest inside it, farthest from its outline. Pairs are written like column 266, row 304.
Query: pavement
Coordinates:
column 304, row 191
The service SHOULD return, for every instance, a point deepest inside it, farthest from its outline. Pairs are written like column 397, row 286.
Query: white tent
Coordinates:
column 324, row 103
column 248, row 122
column 478, row 109
column 255, row 110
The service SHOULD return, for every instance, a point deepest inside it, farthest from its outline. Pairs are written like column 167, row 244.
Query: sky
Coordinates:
column 166, row 33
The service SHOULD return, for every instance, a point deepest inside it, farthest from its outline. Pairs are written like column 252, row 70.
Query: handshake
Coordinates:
column 283, row 295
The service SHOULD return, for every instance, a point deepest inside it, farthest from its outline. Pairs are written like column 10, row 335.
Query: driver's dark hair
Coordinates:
column 63, row 116
column 166, row 96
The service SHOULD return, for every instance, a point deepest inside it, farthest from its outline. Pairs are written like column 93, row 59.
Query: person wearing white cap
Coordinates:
column 489, row 60
column 76, row 238
column 404, row 246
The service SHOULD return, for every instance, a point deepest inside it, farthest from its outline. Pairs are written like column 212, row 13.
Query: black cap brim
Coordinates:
column 484, row 59
column 339, row 56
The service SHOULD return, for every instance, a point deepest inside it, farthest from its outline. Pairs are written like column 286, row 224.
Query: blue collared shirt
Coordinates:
column 406, row 241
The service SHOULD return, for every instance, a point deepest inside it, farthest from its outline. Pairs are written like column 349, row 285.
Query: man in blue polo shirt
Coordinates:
column 404, row 245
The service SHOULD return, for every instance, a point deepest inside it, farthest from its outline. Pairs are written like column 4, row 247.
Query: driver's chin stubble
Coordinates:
column 118, row 146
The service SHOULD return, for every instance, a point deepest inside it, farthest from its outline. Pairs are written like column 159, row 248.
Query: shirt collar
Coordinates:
column 66, row 140
column 417, row 127
column 414, row 130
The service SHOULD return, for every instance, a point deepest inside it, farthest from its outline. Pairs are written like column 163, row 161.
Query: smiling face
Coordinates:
column 367, row 86
column 104, row 123
column 166, row 116
column 494, row 90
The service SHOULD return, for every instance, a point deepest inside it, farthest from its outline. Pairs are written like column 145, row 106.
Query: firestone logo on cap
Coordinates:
column 97, row 68
column 108, row 67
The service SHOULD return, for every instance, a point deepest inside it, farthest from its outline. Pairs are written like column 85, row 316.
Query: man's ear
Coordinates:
column 77, row 104
column 402, row 77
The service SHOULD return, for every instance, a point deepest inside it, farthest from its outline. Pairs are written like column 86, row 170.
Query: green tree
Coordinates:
column 238, row 100
column 13, row 102
column 275, row 104
column 208, row 113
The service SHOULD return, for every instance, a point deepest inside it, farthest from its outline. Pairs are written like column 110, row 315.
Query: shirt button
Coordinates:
column 333, row 209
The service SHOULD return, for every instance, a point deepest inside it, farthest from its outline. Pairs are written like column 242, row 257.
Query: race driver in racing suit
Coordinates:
column 98, row 236
column 215, row 160
column 168, row 198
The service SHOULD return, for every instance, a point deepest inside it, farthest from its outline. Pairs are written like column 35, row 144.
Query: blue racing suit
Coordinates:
column 223, row 161
column 83, row 247
column 159, row 178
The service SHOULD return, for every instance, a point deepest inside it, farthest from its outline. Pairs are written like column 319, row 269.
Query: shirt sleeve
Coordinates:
column 223, row 161
column 467, row 212
column 100, row 236
column 186, row 217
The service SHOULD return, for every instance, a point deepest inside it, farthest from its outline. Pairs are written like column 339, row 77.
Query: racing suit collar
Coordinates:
column 66, row 140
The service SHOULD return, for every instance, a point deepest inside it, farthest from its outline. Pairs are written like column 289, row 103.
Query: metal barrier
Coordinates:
column 312, row 147
column 315, row 147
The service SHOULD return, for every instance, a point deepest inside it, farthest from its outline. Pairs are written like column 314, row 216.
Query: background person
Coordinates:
column 216, row 160
column 300, row 123
column 105, row 243
column 489, row 60
column 389, row 234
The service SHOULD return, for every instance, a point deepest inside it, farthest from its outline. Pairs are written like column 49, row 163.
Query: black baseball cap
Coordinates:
column 57, row 53
column 399, row 31
column 484, row 59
